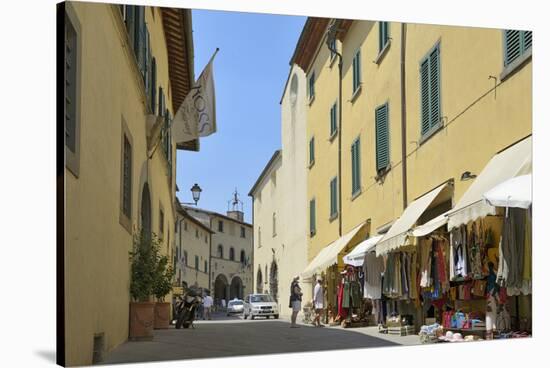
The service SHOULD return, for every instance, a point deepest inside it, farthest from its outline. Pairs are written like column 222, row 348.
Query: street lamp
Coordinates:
column 196, row 192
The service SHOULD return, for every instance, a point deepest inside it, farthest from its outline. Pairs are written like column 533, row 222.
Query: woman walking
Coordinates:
column 295, row 301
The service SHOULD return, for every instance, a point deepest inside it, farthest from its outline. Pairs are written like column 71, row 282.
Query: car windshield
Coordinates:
column 261, row 298
column 237, row 302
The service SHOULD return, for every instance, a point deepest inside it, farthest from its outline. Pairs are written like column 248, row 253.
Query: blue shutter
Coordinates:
column 333, row 119
column 312, row 150
column 356, row 166
column 70, row 72
column 333, row 197
column 383, row 35
column 425, row 96
column 147, row 67
column 527, row 39
column 153, row 86
column 430, row 94
column 382, row 138
column 130, row 23
column 312, row 217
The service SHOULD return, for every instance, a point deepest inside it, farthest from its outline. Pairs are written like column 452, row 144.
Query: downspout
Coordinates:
column 331, row 34
column 403, row 115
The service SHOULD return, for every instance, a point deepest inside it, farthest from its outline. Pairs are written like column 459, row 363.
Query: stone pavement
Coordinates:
column 232, row 336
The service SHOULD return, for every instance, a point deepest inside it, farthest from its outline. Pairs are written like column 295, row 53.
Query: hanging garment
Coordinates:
column 440, row 258
column 346, row 297
column 513, row 244
column 355, row 294
column 425, row 263
column 413, row 277
column 373, row 267
column 342, row 312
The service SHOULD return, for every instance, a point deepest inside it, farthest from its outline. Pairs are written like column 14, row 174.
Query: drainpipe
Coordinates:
column 331, row 35
column 403, row 115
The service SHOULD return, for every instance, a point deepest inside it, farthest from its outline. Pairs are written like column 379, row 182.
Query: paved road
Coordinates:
column 233, row 336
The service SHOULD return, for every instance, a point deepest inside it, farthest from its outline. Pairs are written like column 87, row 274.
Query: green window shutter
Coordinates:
column 434, row 88
column 383, row 35
column 333, row 197
column 312, row 150
column 356, row 166
column 333, row 119
column 356, row 70
column 153, row 85
column 127, row 178
column 512, row 46
column 130, row 23
column 312, row 217
column 70, row 85
column 527, row 40
column 161, row 101
column 430, row 94
column 425, row 96
column 382, row 138
column 312, row 85
column 147, row 67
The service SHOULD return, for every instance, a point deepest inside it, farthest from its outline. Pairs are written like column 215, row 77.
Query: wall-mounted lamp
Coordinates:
column 466, row 175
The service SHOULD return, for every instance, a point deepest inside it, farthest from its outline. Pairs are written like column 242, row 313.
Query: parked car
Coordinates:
column 256, row 305
column 235, row 306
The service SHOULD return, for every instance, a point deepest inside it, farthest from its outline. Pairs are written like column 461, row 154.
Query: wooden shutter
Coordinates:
column 383, row 35
column 355, row 166
column 147, row 68
column 312, row 216
column 153, row 85
column 382, row 138
column 311, row 150
column 527, row 39
column 333, row 119
column 127, row 178
column 425, row 96
column 130, row 23
column 161, row 101
column 512, row 46
column 70, row 85
column 434, row 87
column 333, row 197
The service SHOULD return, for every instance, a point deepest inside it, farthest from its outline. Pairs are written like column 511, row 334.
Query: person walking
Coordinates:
column 207, row 302
column 318, row 300
column 295, row 301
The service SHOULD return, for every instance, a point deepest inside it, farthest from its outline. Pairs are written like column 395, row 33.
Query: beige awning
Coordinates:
column 513, row 161
column 329, row 254
column 397, row 234
column 430, row 226
column 357, row 255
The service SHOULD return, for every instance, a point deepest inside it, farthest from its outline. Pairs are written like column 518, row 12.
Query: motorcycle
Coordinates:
column 186, row 308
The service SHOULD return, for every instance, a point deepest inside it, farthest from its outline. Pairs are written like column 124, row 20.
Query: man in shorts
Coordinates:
column 318, row 299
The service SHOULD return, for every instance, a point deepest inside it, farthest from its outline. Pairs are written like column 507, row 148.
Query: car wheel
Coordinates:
column 276, row 316
column 251, row 316
column 245, row 316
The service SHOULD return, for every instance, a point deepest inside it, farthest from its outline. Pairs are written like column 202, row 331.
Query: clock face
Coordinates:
column 293, row 90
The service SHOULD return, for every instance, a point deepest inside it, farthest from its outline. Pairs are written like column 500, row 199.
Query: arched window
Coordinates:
column 243, row 259
column 231, row 254
column 220, row 251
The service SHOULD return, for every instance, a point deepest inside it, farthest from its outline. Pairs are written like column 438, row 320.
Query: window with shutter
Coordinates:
column 356, row 167
column 383, row 35
column 196, row 262
column 311, row 151
column 430, row 98
column 312, row 217
column 516, row 43
column 333, row 198
column 127, row 178
column 153, row 88
column 130, row 16
column 382, row 138
column 312, row 85
column 333, row 120
column 356, row 71
column 70, row 85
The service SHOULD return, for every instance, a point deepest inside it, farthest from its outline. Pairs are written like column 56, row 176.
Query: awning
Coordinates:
column 357, row 255
column 329, row 255
column 397, row 234
column 430, row 226
column 515, row 192
column 513, row 161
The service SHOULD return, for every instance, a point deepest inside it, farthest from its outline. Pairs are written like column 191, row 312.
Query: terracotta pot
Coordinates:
column 141, row 320
column 162, row 315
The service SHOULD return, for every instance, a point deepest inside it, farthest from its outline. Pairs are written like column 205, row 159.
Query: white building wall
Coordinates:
column 287, row 198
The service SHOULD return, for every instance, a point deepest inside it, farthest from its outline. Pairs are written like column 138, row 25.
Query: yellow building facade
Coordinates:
column 120, row 160
column 482, row 89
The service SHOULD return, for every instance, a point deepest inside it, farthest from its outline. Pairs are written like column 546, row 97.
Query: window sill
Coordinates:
column 356, row 94
column 125, row 222
column 430, row 133
column 311, row 99
column 311, row 165
column 513, row 67
column 382, row 173
column 356, row 194
column 382, row 53
column 311, row 234
column 333, row 217
column 333, row 136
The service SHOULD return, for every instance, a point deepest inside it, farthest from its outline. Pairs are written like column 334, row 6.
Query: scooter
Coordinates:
column 186, row 308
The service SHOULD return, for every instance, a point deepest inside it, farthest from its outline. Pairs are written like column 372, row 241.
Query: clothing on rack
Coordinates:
column 373, row 267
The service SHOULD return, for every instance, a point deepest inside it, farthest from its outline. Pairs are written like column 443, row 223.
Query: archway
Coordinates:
column 259, row 281
column 220, row 289
column 145, row 214
column 274, row 280
column 236, row 289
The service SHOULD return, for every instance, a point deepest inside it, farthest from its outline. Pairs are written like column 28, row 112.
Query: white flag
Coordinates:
column 196, row 116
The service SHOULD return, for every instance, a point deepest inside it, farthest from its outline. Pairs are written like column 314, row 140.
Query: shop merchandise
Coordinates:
column 373, row 267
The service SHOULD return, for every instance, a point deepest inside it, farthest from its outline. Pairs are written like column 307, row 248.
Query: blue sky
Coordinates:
column 250, row 72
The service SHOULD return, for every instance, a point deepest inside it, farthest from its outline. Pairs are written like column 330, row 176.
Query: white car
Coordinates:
column 256, row 305
column 235, row 306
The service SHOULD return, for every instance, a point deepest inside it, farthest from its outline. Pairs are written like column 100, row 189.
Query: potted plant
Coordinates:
column 144, row 261
column 162, row 285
